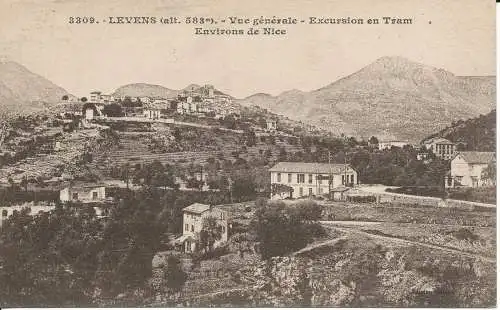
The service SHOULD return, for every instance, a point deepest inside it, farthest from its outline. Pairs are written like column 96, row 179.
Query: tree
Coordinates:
column 373, row 141
column 174, row 274
column 24, row 183
column 277, row 232
column 280, row 189
column 113, row 110
column 83, row 99
column 250, row 138
column 4, row 129
column 283, row 156
column 65, row 98
column 490, row 173
column 309, row 210
column 243, row 189
column 194, row 183
column 230, row 121
column 211, row 232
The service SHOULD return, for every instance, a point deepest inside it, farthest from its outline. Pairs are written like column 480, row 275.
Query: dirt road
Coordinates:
column 409, row 242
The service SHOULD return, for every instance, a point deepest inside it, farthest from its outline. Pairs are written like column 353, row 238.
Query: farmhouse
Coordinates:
column 145, row 99
column 99, row 97
column 192, row 221
column 152, row 113
column 91, row 110
column 441, row 147
column 467, row 167
column 295, row 180
column 389, row 144
column 271, row 125
column 83, row 193
column 157, row 101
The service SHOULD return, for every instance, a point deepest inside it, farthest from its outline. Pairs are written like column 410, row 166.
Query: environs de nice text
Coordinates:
column 229, row 25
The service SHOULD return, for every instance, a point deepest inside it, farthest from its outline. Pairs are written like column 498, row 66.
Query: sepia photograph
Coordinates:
column 236, row 154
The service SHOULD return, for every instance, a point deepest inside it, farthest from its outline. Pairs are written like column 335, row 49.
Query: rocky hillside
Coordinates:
column 392, row 98
column 24, row 91
column 478, row 134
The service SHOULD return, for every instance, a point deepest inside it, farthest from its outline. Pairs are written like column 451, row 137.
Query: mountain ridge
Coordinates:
column 393, row 97
column 153, row 90
column 22, row 91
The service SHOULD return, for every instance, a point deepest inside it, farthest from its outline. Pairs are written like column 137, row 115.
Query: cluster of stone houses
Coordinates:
column 201, row 101
column 440, row 147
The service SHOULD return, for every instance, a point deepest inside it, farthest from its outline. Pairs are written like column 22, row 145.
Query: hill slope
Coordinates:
column 143, row 89
column 24, row 91
column 392, row 98
column 479, row 134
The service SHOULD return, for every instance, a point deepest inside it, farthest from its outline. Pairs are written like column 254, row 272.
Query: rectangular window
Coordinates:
column 186, row 227
column 343, row 179
column 192, row 228
column 310, row 191
column 279, row 177
column 321, row 190
column 301, row 192
column 75, row 196
column 94, row 195
column 319, row 178
column 289, row 178
column 310, row 179
column 301, row 178
column 352, row 178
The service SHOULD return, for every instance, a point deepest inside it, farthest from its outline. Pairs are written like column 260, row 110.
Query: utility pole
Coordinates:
column 230, row 181
column 330, row 177
column 201, row 177
column 345, row 169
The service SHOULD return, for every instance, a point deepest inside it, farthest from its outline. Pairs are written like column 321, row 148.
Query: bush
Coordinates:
column 465, row 234
column 282, row 229
column 215, row 253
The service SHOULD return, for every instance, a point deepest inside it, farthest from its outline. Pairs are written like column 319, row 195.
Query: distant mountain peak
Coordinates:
column 394, row 59
column 392, row 96
column 24, row 91
column 260, row 95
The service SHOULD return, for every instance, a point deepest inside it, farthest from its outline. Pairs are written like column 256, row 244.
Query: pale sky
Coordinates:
column 82, row 58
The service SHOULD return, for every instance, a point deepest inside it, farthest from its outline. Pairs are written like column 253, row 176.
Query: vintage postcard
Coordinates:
column 223, row 153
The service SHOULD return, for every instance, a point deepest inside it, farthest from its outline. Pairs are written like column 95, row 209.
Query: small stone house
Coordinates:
column 83, row 193
column 467, row 167
column 192, row 224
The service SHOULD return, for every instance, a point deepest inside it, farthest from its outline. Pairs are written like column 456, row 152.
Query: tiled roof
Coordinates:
column 477, row 157
column 299, row 167
column 198, row 208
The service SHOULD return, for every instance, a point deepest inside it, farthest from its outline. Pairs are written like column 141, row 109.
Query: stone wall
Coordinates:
column 429, row 201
